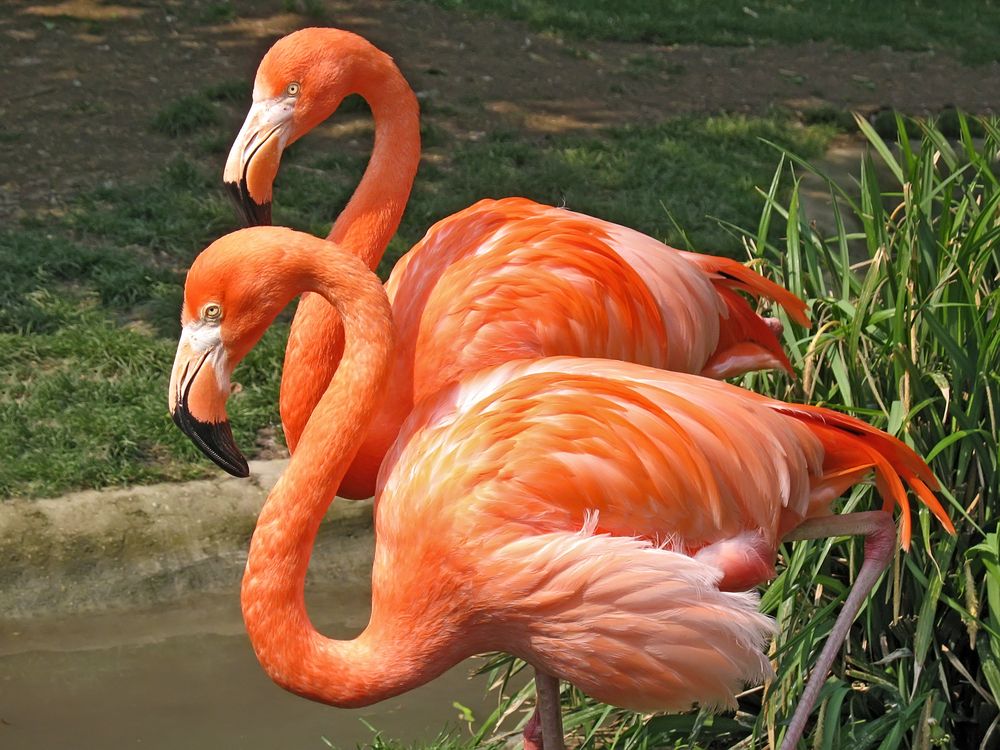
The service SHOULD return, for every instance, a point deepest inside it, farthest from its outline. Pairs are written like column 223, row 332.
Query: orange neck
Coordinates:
column 345, row 673
column 373, row 214
column 364, row 228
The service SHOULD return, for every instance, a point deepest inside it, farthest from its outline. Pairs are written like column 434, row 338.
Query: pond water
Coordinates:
column 184, row 676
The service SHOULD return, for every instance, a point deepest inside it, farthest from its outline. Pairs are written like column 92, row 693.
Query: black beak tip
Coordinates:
column 251, row 213
column 236, row 465
column 215, row 439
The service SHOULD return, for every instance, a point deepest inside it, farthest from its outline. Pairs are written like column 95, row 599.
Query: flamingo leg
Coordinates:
column 548, row 712
column 880, row 541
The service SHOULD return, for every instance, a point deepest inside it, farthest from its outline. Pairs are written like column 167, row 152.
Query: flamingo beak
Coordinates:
column 199, row 388
column 254, row 158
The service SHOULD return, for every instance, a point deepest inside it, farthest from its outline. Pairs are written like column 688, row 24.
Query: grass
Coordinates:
column 449, row 738
column 965, row 29
column 218, row 12
column 907, row 336
column 312, row 9
column 85, row 340
column 88, row 331
column 184, row 116
column 199, row 111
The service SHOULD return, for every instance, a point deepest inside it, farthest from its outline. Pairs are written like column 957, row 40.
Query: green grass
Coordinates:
column 185, row 116
column 199, row 112
column 87, row 335
column 87, row 340
column 218, row 12
column 312, row 9
column 907, row 336
column 966, row 29
column 472, row 738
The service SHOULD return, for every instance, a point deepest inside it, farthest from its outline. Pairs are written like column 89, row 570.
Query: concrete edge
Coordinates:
column 139, row 546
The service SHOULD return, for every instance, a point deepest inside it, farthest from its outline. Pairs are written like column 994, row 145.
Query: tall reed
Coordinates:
column 905, row 297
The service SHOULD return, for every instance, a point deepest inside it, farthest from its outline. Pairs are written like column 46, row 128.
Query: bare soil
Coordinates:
column 82, row 79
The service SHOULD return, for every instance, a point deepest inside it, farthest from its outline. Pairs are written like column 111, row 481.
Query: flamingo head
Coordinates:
column 233, row 292
column 300, row 82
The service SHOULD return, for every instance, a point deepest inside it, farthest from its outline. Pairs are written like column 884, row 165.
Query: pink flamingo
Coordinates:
column 501, row 280
column 592, row 517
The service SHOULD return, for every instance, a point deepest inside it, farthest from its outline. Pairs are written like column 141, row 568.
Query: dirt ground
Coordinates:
column 83, row 79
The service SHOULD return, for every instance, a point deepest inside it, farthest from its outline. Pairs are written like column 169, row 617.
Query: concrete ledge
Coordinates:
column 139, row 546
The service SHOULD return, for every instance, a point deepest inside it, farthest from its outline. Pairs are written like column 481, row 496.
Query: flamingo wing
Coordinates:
column 679, row 460
column 683, row 462
column 509, row 279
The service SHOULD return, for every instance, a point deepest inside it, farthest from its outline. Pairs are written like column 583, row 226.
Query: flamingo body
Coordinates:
column 586, row 515
column 679, row 461
column 501, row 280
column 511, row 278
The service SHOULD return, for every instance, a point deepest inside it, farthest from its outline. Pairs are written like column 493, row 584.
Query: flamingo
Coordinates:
column 501, row 280
column 599, row 519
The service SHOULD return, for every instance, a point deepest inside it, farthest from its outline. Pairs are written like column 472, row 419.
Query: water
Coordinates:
column 184, row 676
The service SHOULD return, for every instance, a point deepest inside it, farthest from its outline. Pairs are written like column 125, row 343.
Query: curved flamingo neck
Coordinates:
column 364, row 228
column 343, row 673
column 372, row 216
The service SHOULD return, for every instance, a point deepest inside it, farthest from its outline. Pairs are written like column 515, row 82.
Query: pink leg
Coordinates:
column 549, row 711
column 880, row 532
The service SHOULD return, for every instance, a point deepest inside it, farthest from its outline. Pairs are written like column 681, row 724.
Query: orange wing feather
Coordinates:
column 657, row 454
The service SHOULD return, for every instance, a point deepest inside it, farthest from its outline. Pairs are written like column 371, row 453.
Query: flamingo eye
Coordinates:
column 293, row 88
column 211, row 312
